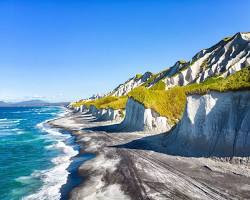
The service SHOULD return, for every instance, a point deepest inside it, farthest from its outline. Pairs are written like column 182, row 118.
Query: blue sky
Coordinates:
column 65, row 50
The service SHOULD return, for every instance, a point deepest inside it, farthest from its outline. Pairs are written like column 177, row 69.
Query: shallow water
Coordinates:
column 34, row 157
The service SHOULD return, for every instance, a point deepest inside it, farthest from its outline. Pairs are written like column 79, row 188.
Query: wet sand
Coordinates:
column 134, row 165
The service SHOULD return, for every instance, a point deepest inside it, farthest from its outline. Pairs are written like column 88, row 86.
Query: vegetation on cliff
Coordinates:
column 237, row 81
column 160, row 85
column 105, row 102
column 118, row 103
column 138, row 76
column 170, row 103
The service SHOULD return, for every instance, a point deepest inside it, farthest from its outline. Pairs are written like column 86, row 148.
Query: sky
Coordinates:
column 60, row 50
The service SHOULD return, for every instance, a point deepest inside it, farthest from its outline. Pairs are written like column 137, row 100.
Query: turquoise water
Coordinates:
column 33, row 157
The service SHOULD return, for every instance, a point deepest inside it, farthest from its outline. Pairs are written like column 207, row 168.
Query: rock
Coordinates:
column 132, row 83
column 83, row 108
column 215, row 124
column 224, row 58
column 139, row 118
column 106, row 114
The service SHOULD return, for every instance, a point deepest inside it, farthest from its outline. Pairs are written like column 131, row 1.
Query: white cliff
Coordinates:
column 224, row 58
column 104, row 114
column 132, row 83
column 169, row 72
column 139, row 118
column 109, row 115
column 215, row 124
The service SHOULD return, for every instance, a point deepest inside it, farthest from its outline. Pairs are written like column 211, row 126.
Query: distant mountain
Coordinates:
column 31, row 103
column 3, row 104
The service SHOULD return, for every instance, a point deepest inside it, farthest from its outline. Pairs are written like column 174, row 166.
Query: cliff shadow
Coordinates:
column 151, row 143
column 85, row 116
column 110, row 128
column 157, row 143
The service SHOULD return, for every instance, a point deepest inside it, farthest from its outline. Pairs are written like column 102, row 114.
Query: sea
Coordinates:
column 36, row 160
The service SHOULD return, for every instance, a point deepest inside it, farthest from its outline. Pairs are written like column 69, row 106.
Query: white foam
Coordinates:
column 9, row 124
column 18, row 131
column 57, row 176
column 10, row 121
column 24, row 179
column 53, row 132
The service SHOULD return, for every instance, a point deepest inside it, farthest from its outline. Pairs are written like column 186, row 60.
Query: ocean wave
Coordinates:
column 52, row 180
column 4, row 121
column 25, row 179
column 46, row 113
column 12, row 130
column 52, row 133
column 9, row 123
column 21, row 112
column 19, row 132
column 56, row 176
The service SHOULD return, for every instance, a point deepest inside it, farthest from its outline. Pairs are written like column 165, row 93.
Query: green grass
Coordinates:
column 99, row 102
column 227, row 39
column 160, row 85
column 237, row 81
column 170, row 103
column 119, row 103
column 167, row 103
column 182, row 61
column 138, row 76
column 105, row 102
column 78, row 103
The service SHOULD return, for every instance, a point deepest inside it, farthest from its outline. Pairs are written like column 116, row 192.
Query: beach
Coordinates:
column 134, row 165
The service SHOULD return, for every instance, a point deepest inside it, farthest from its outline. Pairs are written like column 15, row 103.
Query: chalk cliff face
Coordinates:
column 215, row 124
column 104, row 114
column 109, row 114
column 224, row 58
column 139, row 118
column 83, row 108
column 169, row 72
column 93, row 110
column 132, row 83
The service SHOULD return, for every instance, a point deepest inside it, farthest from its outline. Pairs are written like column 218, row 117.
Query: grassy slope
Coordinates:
column 105, row 102
column 161, row 101
column 171, row 103
column 160, row 85
column 238, row 81
column 119, row 103
column 138, row 76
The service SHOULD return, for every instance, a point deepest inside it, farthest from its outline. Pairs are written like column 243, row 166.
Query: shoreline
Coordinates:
column 58, row 172
column 74, row 179
column 132, row 165
column 89, row 178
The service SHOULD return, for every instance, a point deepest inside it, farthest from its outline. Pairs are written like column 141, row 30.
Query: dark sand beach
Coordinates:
column 134, row 165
